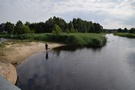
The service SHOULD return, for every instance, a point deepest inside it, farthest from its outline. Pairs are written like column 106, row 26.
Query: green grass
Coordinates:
column 129, row 35
column 75, row 39
column 72, row 39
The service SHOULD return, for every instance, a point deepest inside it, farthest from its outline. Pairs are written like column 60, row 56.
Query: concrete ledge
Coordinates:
column 5, row 85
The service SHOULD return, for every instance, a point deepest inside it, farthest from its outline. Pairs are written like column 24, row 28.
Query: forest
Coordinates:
column 76, row 25
column 77, row 32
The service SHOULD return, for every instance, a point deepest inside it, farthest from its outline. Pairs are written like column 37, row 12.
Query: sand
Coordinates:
column 8, row 71
column 15, row 53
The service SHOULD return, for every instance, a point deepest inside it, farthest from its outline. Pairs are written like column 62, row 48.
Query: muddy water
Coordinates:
column 109, row 68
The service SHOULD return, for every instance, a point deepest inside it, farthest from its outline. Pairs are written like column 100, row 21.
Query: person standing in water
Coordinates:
column 46, row 46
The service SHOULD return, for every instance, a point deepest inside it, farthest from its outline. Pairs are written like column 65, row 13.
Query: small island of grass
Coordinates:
column 73, row 39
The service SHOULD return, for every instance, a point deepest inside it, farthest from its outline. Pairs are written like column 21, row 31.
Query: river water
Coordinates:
column 109, row 68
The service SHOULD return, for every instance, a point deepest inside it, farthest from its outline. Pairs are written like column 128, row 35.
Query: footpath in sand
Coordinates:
column 15, row 53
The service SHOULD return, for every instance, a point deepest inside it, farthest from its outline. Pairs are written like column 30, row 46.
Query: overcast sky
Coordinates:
column 109, row 13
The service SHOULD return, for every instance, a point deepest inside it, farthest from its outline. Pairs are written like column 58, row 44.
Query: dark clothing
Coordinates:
column 46, row 46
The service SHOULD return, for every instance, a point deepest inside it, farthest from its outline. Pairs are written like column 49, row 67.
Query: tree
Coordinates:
column 9, row 27
column 125, row 30
column 67, row 31
column 40, row 27
column 55, row 20
column 18, row 27
column 71, row 26
column 119, row 30
column 97, row 27
column 27, row 23
column 25, row 29
column 32, row 27
column 132, row 30
column 56, row 30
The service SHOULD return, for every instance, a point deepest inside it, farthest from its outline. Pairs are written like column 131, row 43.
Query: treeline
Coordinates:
column 132, row 30
column 51, row 25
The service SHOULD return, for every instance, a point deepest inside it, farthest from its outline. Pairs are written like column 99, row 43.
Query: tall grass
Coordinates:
column 75, row 39
column 129, row 35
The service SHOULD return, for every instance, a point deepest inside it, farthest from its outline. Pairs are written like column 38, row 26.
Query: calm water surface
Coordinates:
column 109, row 68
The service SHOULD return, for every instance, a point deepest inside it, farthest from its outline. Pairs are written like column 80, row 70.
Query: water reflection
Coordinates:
column 108, row 68
column 58, row 50
column 46, row 55
column 66, row 48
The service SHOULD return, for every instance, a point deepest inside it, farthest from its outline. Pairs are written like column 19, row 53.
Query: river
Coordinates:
column 111, row 67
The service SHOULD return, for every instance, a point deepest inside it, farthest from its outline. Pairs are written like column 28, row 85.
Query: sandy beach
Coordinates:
column 15, row 53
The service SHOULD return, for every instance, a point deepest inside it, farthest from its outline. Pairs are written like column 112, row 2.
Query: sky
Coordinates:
column 111, row 14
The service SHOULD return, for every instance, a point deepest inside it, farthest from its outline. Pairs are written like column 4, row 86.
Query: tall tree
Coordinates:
column 125, row 30
column 27, row 23
column 132, row 30
column 97, row 27
column 119, row 30
column 49, row 24
column 9, row 27
column 18, row 27
column 40, row 27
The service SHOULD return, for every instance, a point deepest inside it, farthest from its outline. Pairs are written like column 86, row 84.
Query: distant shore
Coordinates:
column 128, row 35
column 15, row 53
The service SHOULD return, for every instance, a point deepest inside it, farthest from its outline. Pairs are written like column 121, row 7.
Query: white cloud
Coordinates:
column 118, row 24
column 101, row 11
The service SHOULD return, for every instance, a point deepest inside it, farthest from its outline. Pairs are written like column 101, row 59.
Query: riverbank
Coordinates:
column 15, row 53
column 95, row 40
column 129, row 35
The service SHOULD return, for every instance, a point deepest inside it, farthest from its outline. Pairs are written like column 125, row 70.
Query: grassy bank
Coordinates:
column 75, row 39
column 129, row 35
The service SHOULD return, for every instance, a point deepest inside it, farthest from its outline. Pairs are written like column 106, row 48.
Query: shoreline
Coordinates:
column 15, row 53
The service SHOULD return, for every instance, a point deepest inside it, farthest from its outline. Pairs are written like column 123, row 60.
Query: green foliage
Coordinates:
column 21, row 29
column 129, row 35
column 126, row 33
column 27, row 23
column 25, row 29
column 72, row 39
column 74, row 26
column 67, row 31
column 18, row 27
column 132, row 30
column 85, row 26
column 9, row 27
column 56, row 30
column 125, row 30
